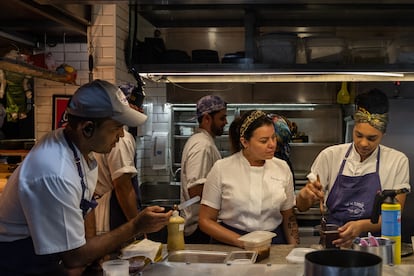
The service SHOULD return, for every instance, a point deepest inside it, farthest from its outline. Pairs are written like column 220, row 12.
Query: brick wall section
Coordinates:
column 108, row 34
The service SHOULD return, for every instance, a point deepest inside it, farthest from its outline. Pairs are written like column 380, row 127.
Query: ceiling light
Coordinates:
column 257, row 76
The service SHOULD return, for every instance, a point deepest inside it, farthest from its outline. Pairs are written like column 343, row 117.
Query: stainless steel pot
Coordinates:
column 331, row 262
column 385, row 248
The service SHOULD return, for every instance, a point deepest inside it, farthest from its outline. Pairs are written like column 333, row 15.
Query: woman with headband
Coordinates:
column 251, row 189
column 350, row 175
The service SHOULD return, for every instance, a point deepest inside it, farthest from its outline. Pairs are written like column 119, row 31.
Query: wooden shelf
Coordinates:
column 31, row 70
column 22, row 152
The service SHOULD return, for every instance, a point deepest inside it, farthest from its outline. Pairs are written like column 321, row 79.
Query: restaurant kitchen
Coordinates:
column 285, row 94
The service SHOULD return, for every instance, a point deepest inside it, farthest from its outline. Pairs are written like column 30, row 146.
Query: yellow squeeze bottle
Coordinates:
column 175, row 240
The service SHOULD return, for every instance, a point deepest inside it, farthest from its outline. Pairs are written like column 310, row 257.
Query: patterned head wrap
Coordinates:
column 285, row 136
column 249, row 120
column 282, row 128
column 378, row 121
column 209, row 104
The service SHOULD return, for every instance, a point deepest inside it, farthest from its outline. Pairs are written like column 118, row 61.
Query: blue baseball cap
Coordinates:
column 102, row 99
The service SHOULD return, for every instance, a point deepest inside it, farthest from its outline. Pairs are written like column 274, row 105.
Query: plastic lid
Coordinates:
column 297, row 255
column 256, row 237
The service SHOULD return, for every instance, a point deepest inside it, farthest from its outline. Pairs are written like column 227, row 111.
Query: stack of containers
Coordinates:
column 276, row 48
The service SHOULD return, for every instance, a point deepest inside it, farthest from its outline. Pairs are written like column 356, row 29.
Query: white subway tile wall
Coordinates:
column 109, row 28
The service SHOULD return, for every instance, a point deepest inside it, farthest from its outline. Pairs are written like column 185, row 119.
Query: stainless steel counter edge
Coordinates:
column 276, row 263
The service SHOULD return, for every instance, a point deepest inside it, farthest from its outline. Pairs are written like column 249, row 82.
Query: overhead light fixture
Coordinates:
column 290, row 76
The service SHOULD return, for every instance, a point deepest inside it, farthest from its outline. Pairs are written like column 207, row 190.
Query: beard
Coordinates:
column 216, row 130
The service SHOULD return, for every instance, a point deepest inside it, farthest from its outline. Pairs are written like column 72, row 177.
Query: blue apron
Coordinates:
column 18, row 258
column 352, row 197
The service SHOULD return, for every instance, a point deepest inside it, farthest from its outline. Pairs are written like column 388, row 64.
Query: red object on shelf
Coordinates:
column 38, row 60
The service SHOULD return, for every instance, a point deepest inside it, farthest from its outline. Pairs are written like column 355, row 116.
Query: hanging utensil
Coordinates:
column 343, row 96
column 322, row 209
column 312, row 178
column 188, row 203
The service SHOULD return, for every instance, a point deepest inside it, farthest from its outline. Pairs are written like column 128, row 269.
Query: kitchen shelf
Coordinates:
column 313, row 119
column 31, row 70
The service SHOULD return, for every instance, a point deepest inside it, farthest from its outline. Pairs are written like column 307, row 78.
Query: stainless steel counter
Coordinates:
column 275, row 264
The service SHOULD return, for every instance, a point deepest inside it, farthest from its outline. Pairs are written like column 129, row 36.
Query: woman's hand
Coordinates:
column 309, row 195
column 352, row 229
column 347, row 233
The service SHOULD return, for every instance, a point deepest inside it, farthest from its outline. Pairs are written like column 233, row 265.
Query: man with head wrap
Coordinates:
column 351, row 174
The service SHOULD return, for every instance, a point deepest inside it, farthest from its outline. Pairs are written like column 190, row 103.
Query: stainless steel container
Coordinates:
column 385, row 248
column 331, row 262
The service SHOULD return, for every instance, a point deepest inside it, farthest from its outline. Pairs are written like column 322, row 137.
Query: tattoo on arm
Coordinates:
column 293, row 228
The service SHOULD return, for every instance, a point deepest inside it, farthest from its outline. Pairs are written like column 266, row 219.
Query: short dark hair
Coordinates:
column 374, row 101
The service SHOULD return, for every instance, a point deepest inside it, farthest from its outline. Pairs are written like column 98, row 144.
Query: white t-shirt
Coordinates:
column 116, row 163
column 199, row 155
column 111, row 166
column 393, row 166
column 249, row 198
column 42, row 197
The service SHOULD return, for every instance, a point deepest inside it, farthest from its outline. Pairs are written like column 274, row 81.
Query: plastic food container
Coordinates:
column 369, row 51
column 115, row 268
column 277, row 48
column 258, row 241
column 297, row 255
column 325, row 50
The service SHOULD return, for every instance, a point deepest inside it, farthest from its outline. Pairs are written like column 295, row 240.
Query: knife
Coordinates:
column 189, row 202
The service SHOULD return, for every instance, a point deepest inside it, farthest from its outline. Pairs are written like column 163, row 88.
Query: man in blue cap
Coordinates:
column 45, row 202
column 199, row 155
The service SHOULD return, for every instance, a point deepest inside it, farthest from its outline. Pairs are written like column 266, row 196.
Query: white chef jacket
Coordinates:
column 247, row 204
column 118, row 161
column 393, row 166
column 199, row 154
column 42, row 197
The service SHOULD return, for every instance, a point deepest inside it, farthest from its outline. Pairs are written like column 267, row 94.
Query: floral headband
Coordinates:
column 379, row 121
column 249, row 120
